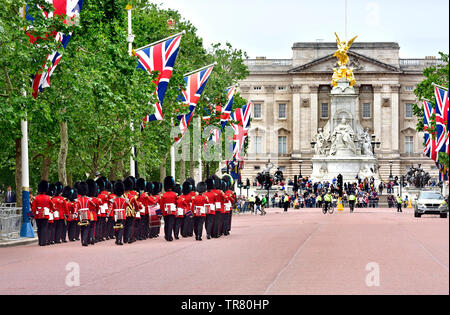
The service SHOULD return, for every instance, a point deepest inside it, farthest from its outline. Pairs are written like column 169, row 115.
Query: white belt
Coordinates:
column 180, row 211
column 200, row 210
column 218, row 205
column 56, row 214
column 170, row 208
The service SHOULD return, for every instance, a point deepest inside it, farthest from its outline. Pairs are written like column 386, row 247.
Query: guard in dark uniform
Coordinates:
column 199, row 203
column 210, row 207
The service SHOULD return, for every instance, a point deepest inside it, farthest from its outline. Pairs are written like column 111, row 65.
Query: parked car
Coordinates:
column 431, row 202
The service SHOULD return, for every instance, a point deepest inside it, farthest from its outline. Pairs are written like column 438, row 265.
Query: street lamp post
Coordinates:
column 391, row 176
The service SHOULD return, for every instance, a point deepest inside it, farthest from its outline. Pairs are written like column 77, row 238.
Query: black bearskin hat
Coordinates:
column 209, row 184
column 186, row 188
column 67, row 192
column 74, row 195
column 101, row 183
column 149, row 188
column 128, row 183
column 192, row 182
column 177, row 189
column 51, row 190
column 119, row 188
column 169, row 183
column 43, row 187
column 201, row 187
column 217, row 182
column 76, row 185
column 83, row 189
column 109, row 186
column 59, row 188
column 141, row 184
column 92, row 188
column 155, row 189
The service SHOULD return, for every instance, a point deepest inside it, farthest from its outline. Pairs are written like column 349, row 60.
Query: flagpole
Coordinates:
column 130, row 40
column 160, row 41
column 26, row 230
column 201, row 69
column 444, row 88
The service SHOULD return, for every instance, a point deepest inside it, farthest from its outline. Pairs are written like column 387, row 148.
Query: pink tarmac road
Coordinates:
column 296, row 253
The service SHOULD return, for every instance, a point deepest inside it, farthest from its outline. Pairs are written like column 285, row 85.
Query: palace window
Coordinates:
column 409, row 145
column 281, row 88
column 257, row 88
column 282, row 145
column 409, row 111
column 257, row 112
column 409, row 88
column 258, row 148
column 324, row 111
column 367, row 110
column 281, row 111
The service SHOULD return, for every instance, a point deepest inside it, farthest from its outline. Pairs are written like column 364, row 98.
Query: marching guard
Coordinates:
column 168, row 204
column 199, row 203
column 119, row 207
column 218, row 219
column 41, row 208
column 210, row 207
column 155, row 210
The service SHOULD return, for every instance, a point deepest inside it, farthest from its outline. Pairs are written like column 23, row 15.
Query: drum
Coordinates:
column 118, row 214
column 170, row 209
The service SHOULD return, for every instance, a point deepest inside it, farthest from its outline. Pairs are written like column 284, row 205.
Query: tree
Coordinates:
column 438, row 74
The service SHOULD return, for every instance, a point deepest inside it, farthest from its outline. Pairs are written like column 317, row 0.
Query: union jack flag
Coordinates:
column 430, row 135
column 442, row 123
column 224, row 117
column 159, row 57
column 242, row 117
column 195, row 85
column 443, row 172
column 70, row 8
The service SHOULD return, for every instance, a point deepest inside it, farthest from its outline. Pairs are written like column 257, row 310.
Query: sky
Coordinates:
column 269, row 28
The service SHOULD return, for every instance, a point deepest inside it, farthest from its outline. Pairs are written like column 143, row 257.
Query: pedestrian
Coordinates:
column 399, row 203
column 286, row 202
column 10, row 196
column 257, row 205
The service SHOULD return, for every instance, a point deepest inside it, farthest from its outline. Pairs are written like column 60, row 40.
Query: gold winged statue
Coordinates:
column 342, row 55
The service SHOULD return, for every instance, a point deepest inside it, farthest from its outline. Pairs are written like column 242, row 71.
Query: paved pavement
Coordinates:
column 373, row 251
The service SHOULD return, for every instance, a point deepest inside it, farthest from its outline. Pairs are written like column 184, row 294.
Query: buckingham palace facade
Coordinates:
column 291, row 101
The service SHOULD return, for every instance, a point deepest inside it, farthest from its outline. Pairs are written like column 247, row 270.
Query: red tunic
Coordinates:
column 42, row 206
column 211, row 201
column 86, row 203
column 119, row 208
column 219, row 201
column 104, row 205
column 58, row 208
column 198, row 204
column 168, row 203
column 183, row 205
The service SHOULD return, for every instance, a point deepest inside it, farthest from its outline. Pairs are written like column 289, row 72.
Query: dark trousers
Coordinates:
column 209, row 224
column 64, row 225
column 99, row 229
column 58, row 230
column 71, row 230
column 352, row 205
column 127, row 237
column 145, row 227
column 42, row 230
column 186, row 224
column 110, row 228
column 218, row 223
column 85, row 234
column 137, row 228
column 177, row 227
column 399, row 207
column 51, row 233
column 92, row 230
column 118, row 233
column 198, row 227
column 77, row 232
column 190, row 227
column 227, row 223
column 169, row 222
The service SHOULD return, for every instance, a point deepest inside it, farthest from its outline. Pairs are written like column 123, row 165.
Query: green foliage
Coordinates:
column 97, row 88
column 425, row 91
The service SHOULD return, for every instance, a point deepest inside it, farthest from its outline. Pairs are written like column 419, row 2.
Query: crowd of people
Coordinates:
column 131, row 210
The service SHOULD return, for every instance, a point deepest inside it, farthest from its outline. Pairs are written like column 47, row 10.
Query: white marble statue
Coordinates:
column 367, row 143
column 343, row 138
column 321, row 143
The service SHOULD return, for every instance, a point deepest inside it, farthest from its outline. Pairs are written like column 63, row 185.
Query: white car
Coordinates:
column 431, row 202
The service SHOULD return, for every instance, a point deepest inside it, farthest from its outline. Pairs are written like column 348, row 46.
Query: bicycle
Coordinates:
column 326, row 209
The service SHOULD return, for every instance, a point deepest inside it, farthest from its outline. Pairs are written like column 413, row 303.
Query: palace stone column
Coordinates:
column 296, row 118
column 395, row 130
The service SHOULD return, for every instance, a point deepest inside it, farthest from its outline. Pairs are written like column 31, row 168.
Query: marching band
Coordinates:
column 131, row 210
